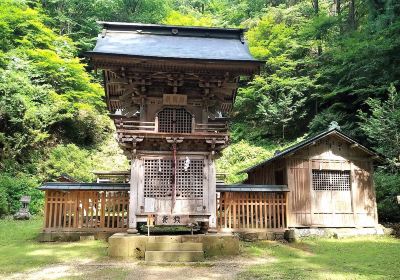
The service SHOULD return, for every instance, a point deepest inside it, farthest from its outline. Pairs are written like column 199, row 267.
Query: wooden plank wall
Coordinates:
column 86, row 210
column 251, row 210
column 299, row 183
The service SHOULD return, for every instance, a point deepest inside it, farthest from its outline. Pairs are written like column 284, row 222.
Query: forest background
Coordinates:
column 336, row 60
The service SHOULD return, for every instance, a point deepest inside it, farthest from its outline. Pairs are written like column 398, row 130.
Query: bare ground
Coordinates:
column 221, row 268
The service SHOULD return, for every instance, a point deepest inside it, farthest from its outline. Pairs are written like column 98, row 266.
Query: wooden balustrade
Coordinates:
column 86, row 210
column 136, row 125
column 113, row 176
column 83, row 210
column 211, row 127
column 251, row 210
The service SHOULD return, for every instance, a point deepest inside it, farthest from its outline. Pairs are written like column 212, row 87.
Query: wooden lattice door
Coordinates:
column 174, row 120
column 158, row 184
column 332, row 197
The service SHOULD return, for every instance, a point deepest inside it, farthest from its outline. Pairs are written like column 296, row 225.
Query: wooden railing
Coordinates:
column 91, row 211
column 251, row 210
column 136, row 126
column 112, row 176
column 86, row 210
column 211, row 127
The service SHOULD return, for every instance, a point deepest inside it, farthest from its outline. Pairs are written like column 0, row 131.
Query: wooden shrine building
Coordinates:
column 329, row 180
column 169, row 90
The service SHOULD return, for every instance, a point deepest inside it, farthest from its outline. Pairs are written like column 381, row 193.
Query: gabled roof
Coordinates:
column 170, row 41
column 333, row 130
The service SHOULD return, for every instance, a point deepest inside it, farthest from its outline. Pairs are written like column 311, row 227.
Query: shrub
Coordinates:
column 69, row 159
column 13, row 187
column 3, row 203
column 387, row 190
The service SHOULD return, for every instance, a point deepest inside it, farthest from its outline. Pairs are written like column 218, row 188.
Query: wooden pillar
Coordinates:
column 212, row 196
column 133, row 196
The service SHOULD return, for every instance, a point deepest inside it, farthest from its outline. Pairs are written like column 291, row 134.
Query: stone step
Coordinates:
column 173, row 246
column 174, row 256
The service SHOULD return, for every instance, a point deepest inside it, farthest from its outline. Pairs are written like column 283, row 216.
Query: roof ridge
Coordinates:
column 307, row 141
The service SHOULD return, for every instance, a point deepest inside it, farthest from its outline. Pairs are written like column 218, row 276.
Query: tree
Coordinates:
column 382, row 125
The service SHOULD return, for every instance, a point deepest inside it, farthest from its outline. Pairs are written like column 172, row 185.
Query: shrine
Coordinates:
column 170, row 91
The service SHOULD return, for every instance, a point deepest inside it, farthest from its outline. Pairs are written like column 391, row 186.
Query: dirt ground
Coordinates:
column 221, row 268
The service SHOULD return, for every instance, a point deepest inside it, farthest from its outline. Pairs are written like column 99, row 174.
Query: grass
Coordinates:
column 20, row 251
column 354, row 258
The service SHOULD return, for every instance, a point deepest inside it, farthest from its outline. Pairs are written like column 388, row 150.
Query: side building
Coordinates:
column 329, row 180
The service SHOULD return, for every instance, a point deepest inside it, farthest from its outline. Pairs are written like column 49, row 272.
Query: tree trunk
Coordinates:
column 352, row 14
column 318, row 37
column 338, row 7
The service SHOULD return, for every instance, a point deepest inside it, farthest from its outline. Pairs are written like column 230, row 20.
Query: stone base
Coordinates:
column 294, row 234
column 125, row 245
column 72, row 236
column 252, row 236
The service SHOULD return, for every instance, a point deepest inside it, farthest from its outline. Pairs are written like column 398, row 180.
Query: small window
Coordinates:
column 173, row 120
column 331, row 180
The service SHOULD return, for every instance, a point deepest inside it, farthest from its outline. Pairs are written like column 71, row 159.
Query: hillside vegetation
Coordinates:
column 325, row 61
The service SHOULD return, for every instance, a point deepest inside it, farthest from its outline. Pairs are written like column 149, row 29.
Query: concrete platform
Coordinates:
column 125, row 245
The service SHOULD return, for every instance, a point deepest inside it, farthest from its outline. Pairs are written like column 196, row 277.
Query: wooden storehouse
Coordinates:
column 329, row 181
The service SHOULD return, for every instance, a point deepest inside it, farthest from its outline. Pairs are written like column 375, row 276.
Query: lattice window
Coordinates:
column 173, row 120
column 331, row 180
column 158, row 176
column 190, row 182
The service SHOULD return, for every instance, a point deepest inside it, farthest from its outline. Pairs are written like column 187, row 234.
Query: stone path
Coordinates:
column 222, row 268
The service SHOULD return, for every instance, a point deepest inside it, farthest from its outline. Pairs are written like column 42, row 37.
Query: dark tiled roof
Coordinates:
column 67, row 186
column 84, row 186
column 252, row 188
column 309, row 141
column 162, row 41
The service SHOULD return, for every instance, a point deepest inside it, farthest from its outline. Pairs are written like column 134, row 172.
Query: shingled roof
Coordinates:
column 170, row 41
column 332, row 130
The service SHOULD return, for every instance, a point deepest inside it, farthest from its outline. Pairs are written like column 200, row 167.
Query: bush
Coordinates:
column 387, row 190
column 71, row 160
column 3, row 203
column 13, row 187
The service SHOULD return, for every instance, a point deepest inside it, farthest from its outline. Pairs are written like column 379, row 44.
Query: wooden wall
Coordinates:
column 86, row 210
column 308, row 207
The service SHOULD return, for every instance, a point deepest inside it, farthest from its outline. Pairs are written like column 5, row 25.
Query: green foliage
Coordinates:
column 239, row 156
column 277, row 98
column 3, row 203
column 176, row 18
column 322, row 121
column 387, row 189
column 13, row 187
column 80, row 163
column 242, row 155
column 71, row 160
column 78, row 19
column 382, row 125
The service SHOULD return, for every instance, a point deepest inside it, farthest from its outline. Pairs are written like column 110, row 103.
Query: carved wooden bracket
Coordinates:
column 135, row 140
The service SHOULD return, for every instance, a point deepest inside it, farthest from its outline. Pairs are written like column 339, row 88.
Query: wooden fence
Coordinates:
column 86, row 210
column 251, row 210
column 80, row 210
